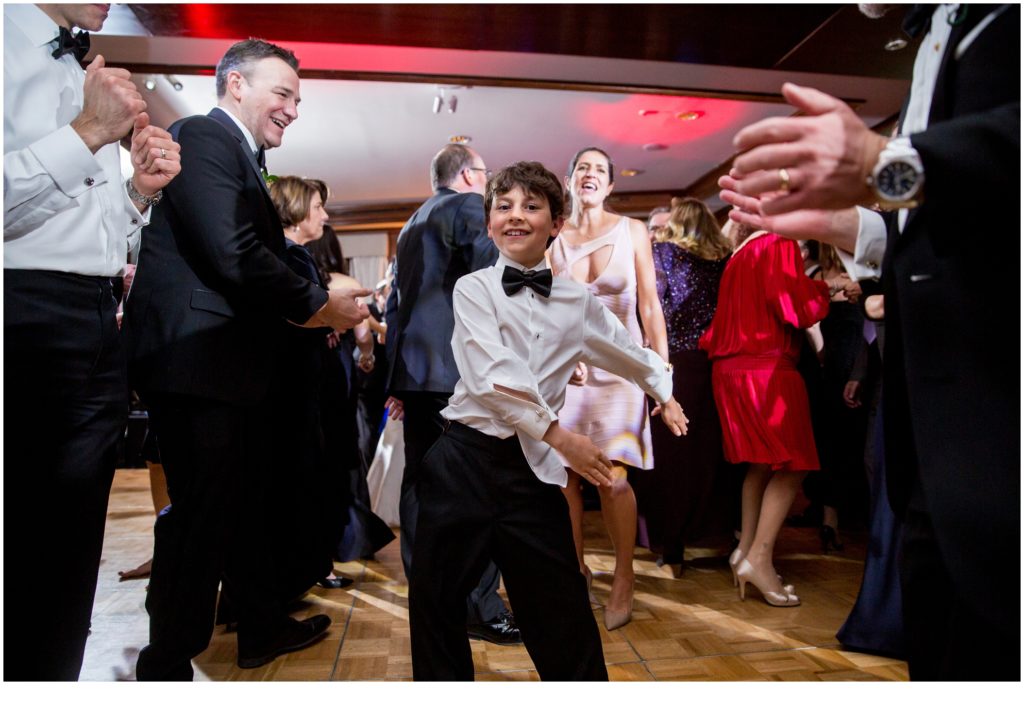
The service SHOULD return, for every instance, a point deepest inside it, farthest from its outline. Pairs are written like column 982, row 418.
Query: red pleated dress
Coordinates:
column 754, row 340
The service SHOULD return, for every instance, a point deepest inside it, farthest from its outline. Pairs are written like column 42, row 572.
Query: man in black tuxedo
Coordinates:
column 445, row 239
column 202, row 324
column 952, row 309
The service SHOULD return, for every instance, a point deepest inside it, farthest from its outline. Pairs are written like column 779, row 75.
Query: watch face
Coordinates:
column 897, row 180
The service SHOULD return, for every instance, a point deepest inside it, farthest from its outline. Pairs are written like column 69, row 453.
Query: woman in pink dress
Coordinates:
column 764, row 300
column 611, row 255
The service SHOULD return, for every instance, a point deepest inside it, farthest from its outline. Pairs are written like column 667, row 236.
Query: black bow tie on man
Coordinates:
column 77, row 43
column 514, row 279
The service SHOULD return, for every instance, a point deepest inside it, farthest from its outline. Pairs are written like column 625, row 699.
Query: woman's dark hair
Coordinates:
column 327, row 254
column 576, row 159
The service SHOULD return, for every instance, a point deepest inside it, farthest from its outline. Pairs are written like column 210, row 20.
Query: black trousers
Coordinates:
column 422, row 426
column 213, row 454
column 65, row 407
column 946, row 639
column 481, row 501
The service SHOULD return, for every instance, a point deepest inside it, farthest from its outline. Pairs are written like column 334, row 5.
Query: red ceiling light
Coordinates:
column 630, row 172
column 654, row 147
column 690, row 116
column 646, row 113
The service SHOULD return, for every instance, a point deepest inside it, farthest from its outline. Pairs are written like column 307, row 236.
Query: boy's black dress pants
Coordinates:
column 481, row 501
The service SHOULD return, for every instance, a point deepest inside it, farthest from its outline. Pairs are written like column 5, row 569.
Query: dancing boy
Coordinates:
column 489, row 486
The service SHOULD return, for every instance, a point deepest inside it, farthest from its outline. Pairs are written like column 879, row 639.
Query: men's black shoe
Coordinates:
column 500, row 631
column 295, row 635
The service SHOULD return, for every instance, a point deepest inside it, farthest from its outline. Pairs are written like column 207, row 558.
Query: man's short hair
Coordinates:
column 448, row 163
column 656, row 211
column 242, row 56
column 533, row 178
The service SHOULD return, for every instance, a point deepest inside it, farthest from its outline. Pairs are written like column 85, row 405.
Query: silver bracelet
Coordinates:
column 136, row 196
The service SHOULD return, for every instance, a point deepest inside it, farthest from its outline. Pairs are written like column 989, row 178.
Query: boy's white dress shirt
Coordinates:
column 532, row 344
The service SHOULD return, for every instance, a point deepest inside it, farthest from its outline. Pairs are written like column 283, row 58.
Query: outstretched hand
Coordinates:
column 672, row 415
column 827, row 154
column 838, row 227
column 583, row 457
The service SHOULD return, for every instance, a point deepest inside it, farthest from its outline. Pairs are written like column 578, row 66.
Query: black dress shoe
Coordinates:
column 256, row 651
column 500, row 631
column 335, row 583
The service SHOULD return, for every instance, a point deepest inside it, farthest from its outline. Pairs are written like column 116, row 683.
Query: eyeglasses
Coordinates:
column 485, row 171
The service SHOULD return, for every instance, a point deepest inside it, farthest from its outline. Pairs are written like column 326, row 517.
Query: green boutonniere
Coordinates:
column 267, row 177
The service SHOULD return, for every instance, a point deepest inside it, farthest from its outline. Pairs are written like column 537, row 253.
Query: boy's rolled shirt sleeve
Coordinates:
column 608, row 345
column 485, row 364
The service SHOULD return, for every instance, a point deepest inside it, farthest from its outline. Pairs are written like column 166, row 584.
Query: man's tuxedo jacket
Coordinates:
column 203, row 317
column 952, row 303
column 445, row 239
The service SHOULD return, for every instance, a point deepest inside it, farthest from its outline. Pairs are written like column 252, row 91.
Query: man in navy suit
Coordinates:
column 445, row 239
column 203, row 324
column 950, row 266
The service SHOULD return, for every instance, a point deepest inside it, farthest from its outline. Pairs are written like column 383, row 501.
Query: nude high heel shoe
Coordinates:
column 734, row 561
column 616, row 618
column 773, row 592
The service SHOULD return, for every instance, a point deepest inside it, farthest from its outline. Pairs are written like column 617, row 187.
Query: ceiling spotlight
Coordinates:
column 654, row 147
column 690, row 116
column 646, row 113
column 629, row 172
column 150, row 83
column 459, row 139
column 438, row 104
column 453, row 103
column 175, row 83
column 895, row 44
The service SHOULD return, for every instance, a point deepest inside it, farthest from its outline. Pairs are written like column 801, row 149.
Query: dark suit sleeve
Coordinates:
column 470, row 234
column 972, row 156
column 217, row 196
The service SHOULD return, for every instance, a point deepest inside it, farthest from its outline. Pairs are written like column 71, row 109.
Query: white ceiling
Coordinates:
column 372, row 140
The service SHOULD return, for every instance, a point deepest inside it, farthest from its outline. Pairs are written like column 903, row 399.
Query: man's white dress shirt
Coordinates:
column 866, row 262
column 531, row 344
column 65, row 209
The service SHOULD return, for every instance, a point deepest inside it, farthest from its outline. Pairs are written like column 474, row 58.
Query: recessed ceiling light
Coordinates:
column 895, row 44
column 460, row 139
column 646, row 113
column 150, row 83
column 629, row 172
column 654, row 147
column 690, row 116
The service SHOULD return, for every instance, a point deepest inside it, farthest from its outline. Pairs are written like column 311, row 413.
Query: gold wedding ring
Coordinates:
column 783, row 180
column 163, row 154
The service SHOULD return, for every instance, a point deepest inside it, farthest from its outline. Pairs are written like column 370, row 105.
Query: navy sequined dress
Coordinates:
column 687, row 497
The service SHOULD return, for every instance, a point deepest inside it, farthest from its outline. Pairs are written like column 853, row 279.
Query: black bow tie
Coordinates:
column 67, row 43
column 261, row 158
column 918, row 20
column 514, row 279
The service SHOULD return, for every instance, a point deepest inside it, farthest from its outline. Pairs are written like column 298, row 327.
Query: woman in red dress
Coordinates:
column 764, row 300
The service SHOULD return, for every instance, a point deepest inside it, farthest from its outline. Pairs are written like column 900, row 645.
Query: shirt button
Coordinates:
column 135, row 221
column 89, row 182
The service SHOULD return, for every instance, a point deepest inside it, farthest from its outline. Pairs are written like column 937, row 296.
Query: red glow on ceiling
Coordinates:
column 619, row 121
column 205, row 21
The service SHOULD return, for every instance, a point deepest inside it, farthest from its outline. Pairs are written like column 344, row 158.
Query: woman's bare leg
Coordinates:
column 618, row 507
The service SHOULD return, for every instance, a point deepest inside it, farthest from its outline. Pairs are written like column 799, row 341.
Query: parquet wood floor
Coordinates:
column 688, row 629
